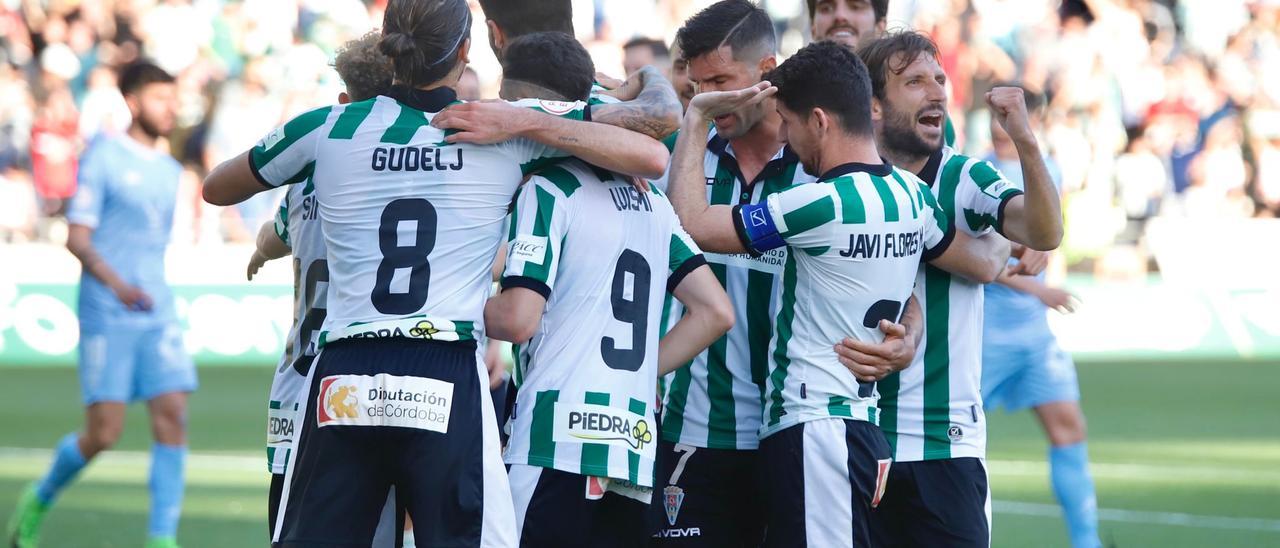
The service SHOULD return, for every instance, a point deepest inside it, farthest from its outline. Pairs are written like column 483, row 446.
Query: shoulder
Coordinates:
column 911, row 179
column 101, row 147
column 554, row 108
column 811, row 191
column 566, row 179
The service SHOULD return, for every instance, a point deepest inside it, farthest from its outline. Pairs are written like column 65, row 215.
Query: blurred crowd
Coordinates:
column 1155, row 108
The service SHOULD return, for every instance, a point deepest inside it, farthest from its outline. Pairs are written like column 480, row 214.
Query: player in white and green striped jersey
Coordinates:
column 856, row 239
column 589, row 259
column 932, row 411
column 412, row 217
column 713, row 408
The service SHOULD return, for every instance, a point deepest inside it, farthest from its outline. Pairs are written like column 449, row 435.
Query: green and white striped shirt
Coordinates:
column 603, row 254
column 856, row 241
column 715, row 402
column 933, row 409
column 411, row 222
column 298, row 226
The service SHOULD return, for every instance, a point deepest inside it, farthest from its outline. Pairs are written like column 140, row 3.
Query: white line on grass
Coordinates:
column 1139, row 516
column 1138, row 471
column 207, row 461
column 253, row 463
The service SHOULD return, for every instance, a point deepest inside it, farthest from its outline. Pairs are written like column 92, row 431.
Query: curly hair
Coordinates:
column 363, row 68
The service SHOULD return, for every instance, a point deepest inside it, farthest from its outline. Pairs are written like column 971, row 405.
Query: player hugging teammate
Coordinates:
column 808, row 274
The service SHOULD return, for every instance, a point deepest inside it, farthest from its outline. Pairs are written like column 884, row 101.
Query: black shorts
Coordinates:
column 822, row 478
column 559, row 509
column 706, row 497
column 935, row 503
column 397, row 412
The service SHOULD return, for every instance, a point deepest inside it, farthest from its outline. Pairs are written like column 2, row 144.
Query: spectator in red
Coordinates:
column 55, row 143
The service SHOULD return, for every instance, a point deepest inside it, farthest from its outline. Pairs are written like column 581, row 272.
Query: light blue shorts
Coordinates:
column 1027, row 374
column 131, row 364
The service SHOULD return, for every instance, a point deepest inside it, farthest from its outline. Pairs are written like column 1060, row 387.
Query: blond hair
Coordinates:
column 364, row 69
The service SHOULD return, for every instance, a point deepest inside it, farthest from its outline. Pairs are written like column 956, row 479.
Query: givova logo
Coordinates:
column 384, row 400
column 601, row 424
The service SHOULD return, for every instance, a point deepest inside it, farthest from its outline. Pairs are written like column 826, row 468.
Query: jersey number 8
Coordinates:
column 397, row 257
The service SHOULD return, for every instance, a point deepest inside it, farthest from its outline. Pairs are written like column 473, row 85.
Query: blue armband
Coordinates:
column 756, row 228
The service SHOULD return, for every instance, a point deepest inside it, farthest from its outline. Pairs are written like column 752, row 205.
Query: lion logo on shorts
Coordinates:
column 342, row 401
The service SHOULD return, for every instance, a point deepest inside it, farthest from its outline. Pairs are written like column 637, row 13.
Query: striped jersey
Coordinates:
column 411, row 222
column 298, row 226
column 715, row 402
column 603, row 254
column 933, row 409
column 857, row 239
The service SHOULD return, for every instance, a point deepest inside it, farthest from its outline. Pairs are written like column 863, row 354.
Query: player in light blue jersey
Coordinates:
column 130, row 342
column 1023, row 367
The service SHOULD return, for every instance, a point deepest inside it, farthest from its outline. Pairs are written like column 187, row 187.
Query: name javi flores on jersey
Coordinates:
column 884, row 246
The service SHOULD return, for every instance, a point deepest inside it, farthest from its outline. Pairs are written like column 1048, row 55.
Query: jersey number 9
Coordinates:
column 633, row 310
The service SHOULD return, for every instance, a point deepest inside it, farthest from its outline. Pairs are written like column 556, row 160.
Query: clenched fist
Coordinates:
column 1009, row 107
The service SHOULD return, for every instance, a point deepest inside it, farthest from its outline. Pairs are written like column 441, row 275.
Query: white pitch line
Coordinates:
column 1139, row 471
column 251, row 463
column 208, row 461
column 1139, row 516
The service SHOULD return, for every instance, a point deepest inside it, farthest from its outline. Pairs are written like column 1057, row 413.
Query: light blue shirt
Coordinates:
column 1012, row 315
column 126, row 193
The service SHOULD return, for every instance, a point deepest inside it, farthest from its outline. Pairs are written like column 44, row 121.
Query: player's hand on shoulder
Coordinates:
column 712, row 104
column 133, row 298
column 873, row 361
column 483, row 122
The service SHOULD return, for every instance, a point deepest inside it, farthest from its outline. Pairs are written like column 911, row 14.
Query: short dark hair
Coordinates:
column 881, row 7
column 517, row 18
column 141, row 74
column 658, row 47
column 828, row 76
column 739, row 24
column 879, row 53
column 570, row 73
column 422, row 38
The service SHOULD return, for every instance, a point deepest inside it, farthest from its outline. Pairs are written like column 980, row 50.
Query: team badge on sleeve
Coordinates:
column 557, row 107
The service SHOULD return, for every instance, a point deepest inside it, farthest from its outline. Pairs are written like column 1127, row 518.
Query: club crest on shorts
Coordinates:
column 672, row 498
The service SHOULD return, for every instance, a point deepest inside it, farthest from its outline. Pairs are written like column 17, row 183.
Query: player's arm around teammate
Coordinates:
column 603, row 145
column 489, row 122
column 980, row 259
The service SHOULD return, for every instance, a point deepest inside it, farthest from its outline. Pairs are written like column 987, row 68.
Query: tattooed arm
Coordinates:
column 655, row 110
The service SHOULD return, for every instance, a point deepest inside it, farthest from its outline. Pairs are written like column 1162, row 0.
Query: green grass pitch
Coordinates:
column 1184, row 454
